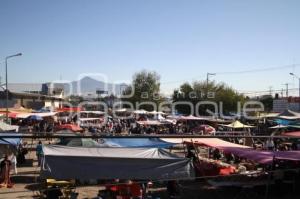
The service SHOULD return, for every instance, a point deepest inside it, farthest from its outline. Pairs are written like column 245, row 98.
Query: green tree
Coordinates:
column 201, row 91
column 145, row 88
column 267, row 102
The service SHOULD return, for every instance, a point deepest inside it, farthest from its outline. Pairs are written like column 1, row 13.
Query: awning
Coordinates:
column 278, row 127
column 62, row 162
column 7, row 127
column 190, row 117
column 72, row 109
column 10, row 114
column 136, row 142
column 237, row 125
column 140, row 112
column 292, row 134
column 10, row 141
column 295, row 126
column 149, row 123
column 217, row 143
column 123, row 110
column 156, row 113
column 289, row 115
column 26, row 115
column 262, row 157
column 79, row 142
column 71, row 127
column 284, row 122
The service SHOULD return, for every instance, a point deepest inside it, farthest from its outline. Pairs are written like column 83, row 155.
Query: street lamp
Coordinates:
column 207, row 81
column 6, row 58
column 299, row 88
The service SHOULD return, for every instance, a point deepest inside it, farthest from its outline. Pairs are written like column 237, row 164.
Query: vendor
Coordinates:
column 217, row 154
column 5, row 173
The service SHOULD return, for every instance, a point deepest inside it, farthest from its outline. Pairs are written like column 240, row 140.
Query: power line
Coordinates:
column 237, row 72
column 266, row 91
column 260, row 70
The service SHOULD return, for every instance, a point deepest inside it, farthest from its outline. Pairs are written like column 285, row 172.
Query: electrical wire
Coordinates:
column 237, row 72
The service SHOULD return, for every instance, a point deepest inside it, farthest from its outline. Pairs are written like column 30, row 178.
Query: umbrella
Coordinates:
column 35, row 117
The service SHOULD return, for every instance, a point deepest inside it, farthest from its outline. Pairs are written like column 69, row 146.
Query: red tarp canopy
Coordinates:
column 293, row 134
column 10, row 114
column 262, row 157
column 71, row 127
column 71, row 109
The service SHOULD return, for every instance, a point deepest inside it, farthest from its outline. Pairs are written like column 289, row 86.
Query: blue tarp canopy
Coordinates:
column 284, row 122
column 136, row 142
column 10, row 141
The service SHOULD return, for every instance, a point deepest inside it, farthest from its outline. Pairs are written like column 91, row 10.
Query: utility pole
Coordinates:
column 287, row 89
column 270, row 89
column 298, row 88
column 207, row 81
column 6, row 81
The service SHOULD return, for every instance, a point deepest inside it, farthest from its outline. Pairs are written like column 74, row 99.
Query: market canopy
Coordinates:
column 292, row 134
column 62, row 162
column 122, row 110
column 149, row 123
column 140, row 111
column 136, row 142
column 217, row 143
column 190, row 117
column 156, row 113
column 79, row 142
column 289, row 115
column 72, row 127
column 8, row 127
column 237, row 125
column 279, row 126
column 295, row 126
column 10, row 141
column 35, row 118
column 284, row 122
column 262, row 157
column 27, row 115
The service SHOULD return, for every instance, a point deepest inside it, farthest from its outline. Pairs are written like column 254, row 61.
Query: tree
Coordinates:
column 145, row 89
column 200, row 91
column 267, row 102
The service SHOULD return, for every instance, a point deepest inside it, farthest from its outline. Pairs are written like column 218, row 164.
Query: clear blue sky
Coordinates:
column 180, row 39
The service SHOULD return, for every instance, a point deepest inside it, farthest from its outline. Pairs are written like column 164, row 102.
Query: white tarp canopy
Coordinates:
column 61, row 162
column 123, row 110
column 93, row 112
column 237, row 125
column 142, row 111
column 156, row 113
column 279, row 126
column 7, row 127
column 149, row 123
column 289, row 115
column 26, row 115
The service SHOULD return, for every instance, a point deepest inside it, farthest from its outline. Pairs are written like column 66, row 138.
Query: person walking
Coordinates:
column 39, row 152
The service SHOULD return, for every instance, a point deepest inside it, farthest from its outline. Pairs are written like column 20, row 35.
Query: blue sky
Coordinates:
column 181, row 40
